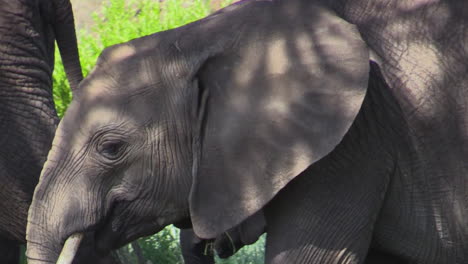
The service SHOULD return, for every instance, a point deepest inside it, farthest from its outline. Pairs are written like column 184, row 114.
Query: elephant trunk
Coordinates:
column 54, row 240
column 64, row 28
column 44, row 245
column 66, row 256
column 39, row 252
column 56, row 217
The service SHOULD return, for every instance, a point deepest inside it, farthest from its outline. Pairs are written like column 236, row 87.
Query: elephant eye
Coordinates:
column 111, row 150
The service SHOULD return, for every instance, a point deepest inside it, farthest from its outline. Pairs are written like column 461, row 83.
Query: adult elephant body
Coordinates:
column 27, row 114
column 424, row 213
column 28, row 30
column 273, row 105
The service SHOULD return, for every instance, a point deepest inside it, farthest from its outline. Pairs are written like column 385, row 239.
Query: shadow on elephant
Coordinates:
column 273, row 105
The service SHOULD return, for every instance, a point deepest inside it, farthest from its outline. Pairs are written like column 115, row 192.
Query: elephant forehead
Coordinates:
column 98, row 116
column 82, row 121
column 95, row 88
column 77, row 126
column 110, row 109
column 116, row 82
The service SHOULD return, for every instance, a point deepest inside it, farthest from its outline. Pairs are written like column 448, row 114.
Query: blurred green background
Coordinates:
column 103, row 23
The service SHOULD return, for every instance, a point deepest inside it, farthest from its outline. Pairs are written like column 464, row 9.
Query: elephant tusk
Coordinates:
column 70, row 248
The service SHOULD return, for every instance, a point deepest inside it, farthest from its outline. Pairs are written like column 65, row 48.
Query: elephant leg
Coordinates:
column 9, row 251
column 194, row 248
column 379, row 257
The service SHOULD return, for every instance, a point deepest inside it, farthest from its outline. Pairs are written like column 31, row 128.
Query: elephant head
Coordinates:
column 207, row 121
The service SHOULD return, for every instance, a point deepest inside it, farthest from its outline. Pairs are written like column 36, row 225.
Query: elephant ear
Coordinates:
column 277, row 98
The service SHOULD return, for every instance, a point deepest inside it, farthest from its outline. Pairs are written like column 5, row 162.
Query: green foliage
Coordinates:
column 162, row 247
column 23, row 255
column 121, row 21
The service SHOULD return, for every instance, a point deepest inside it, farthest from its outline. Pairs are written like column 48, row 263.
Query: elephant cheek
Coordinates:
column 106, row 238
column 119, row 227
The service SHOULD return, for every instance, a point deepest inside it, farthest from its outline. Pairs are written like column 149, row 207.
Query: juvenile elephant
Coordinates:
column 28, row 30
column 273, row 105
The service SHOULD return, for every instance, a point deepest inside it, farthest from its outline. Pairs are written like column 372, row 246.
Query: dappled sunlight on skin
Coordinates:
column 339, row 255
column 420, row 59
column 126, row 107
column 280, row 84
column 98, row 116
column 305, row 46
column 420, row 67
column 423, row 49
column 121, row 52
column 281, row 96
column 262, row 108
column 244, row 72
column 277, row 57
column 414, row 5
column 422, row 62
column 98, row 105
column 90, row 116
column 400, row 26
column 99, row 88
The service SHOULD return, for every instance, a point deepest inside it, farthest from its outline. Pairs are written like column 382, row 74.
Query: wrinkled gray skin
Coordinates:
column 28, row 30
column 201, row 251
column 27, row 114
column 257, row 105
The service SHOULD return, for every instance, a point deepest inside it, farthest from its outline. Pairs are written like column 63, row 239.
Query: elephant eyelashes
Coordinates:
column 111, row 150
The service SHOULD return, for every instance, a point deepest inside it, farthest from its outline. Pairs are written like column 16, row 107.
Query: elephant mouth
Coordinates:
column 108, row 235
column 107, row 239
column 122, row 226
column 114, row 234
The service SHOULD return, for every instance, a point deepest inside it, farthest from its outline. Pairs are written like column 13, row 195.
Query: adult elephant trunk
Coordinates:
column 64, row 28
column 64, row 31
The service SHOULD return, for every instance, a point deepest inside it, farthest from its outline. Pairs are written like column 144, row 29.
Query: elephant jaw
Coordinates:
column 114, row 234
column 106, row 238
